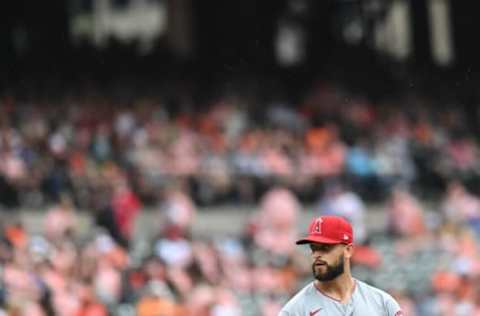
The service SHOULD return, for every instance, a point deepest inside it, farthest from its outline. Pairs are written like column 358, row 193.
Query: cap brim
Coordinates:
column 318, row 240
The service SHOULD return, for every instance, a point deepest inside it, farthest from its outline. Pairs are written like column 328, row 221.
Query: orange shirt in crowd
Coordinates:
column 17, row 235
column 157, row 306
column 94, row 309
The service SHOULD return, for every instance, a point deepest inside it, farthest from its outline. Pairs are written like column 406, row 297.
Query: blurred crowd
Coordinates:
column 333, row 150
column 426, row 256
column 62, row 271
column 231, row 148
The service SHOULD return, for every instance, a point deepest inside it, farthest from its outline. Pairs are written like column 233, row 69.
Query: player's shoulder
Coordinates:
column 299, row 299
column 379, row 298
column 371, row 290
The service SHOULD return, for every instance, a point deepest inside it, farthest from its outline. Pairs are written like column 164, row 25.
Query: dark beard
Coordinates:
column 332, row 272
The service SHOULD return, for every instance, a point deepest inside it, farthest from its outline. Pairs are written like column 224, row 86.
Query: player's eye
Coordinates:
column 322, row 248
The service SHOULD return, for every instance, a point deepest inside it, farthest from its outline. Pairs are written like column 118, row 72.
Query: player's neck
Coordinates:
column 339, row 289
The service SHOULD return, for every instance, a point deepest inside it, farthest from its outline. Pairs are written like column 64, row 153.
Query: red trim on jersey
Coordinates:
column 315, row 312
column 333, row 298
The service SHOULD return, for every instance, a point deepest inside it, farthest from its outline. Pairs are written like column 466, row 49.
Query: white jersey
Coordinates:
column 366, row 300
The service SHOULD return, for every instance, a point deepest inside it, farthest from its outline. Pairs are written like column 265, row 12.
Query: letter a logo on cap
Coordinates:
column 318, row 226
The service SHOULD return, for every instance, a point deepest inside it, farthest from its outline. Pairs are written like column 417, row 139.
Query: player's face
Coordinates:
column 328, row 261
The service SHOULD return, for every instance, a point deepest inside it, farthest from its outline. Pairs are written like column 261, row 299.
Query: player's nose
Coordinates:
column 316, row 254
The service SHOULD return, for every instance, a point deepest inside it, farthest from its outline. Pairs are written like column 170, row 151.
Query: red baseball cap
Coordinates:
column 328, row 230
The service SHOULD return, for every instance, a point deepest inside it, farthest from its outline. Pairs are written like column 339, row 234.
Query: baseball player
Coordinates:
column 334, row 291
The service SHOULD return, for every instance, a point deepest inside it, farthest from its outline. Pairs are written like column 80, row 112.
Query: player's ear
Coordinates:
column 348, row 251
